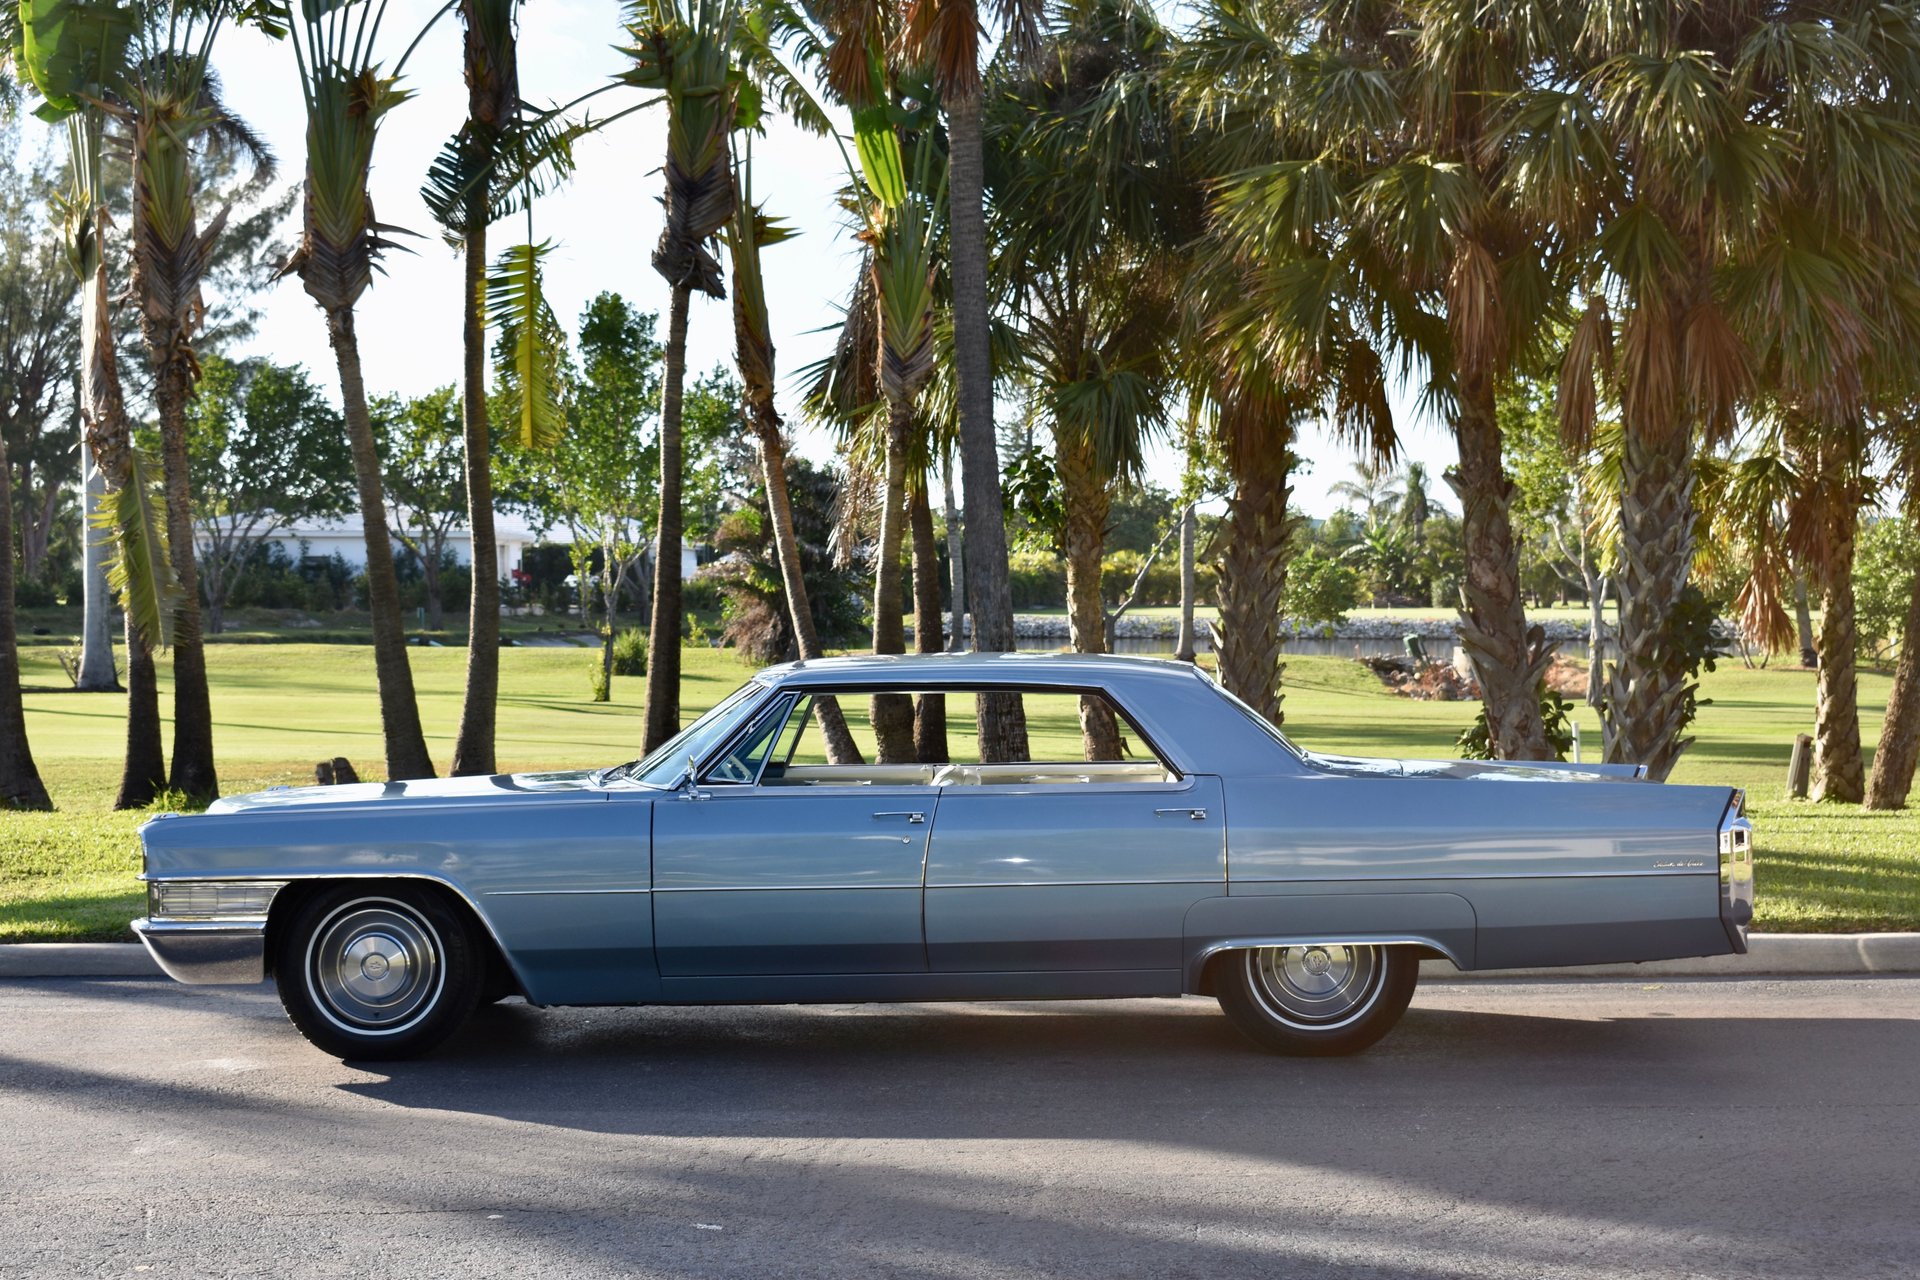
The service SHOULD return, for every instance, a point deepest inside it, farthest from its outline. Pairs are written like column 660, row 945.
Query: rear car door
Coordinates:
column 1070, row 865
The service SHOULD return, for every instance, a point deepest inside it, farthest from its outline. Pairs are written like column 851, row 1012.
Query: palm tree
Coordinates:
column 1368, row 196
column 78, row 60
column 346, row 96
column 945, row 36
column 171, row 112
column 1745, row 197
column 1091, row 203
column 1899, row 746
column 20, row 784
column 750, row 231
column 1374, row 487
column 1416, row 501
column 686, row 55
column 491, row 64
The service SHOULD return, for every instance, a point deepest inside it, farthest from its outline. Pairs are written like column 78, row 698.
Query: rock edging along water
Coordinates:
column 1051, row 626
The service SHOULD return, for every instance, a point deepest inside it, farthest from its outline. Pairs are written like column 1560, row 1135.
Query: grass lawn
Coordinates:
column 279, row 708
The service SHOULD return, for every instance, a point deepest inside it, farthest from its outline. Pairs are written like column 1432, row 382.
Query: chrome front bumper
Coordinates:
column 207, row 951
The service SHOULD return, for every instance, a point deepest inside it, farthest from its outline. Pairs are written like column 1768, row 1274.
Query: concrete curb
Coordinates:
column 76, row 960
column 1782, row 955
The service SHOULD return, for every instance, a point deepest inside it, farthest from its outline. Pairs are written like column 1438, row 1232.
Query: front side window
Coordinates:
column 664, row 767
column 740, row 766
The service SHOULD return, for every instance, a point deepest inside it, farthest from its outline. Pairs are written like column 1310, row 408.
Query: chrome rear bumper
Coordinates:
column 207, row 951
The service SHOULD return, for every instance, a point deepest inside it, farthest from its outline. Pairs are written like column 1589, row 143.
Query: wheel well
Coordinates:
column 289, row 900
column 1204, row 986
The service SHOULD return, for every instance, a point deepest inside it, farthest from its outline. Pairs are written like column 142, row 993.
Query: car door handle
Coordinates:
column 908, row 814
column 1198, row 815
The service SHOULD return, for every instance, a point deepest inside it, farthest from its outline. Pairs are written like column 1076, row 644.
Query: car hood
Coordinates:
column 499, row 786
column 1479, row 770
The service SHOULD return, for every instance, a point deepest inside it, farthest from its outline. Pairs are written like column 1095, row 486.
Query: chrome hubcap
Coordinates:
column 375, row 966
column 1318, row 986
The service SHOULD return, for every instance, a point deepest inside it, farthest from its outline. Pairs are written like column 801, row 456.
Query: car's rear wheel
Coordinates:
column 378, row 972
column 1317, row 1000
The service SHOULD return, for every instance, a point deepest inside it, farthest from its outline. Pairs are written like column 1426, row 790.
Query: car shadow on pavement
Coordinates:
column 1135, row 1138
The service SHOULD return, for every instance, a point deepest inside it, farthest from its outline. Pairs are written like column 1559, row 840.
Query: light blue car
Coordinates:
column 758, row 858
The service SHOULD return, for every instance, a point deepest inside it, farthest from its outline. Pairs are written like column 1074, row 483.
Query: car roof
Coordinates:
column 995, row 668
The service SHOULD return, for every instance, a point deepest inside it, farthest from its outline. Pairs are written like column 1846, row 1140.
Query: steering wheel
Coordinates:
column 733, row 769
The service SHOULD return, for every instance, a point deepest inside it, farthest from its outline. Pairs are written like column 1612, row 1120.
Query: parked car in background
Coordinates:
column 738, row 864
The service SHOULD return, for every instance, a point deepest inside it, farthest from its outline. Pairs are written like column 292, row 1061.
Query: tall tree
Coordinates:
column 171, row 112
column 749, row 231
column 686, row 54
column 1370, row 190
column 502, row 157
column 346, row 96
column 945, row 36
column 1090, row 199
column 1899, row 746
column 266, row 450
column 77, row 59
column 599, row 482
column 426, row 480
column 1745, row 190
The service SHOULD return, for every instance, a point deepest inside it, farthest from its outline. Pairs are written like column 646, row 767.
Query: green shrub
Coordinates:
column 1320, row 590
column 597, row 679
column 630, row 653
column 1882, row 578
column 1037, row 579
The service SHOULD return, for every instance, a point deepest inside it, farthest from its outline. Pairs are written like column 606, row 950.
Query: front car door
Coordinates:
column 755, row 873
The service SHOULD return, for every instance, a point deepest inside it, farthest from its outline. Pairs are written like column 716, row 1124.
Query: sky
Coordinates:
column 605, row 222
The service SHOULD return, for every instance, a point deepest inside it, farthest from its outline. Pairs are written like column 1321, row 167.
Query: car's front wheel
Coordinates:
column 1318, row 1000
column 378, row 972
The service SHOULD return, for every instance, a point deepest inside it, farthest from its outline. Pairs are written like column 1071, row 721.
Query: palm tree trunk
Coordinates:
column 1185, row 649
column 1088, row 502
column 929, row 709
column 1253, row 578
column 956, row 558
column 892, row 713
column 193, row 770
column 473, row 750
column 96, row 611
column 1508, row 660
column 1003, row 725
column 1646, row 695
column 20, row 784
column 406, row 745
column 793, row 582
column 663, row 635
column 1838, row 773
column 1894, row 758
column 143, row 774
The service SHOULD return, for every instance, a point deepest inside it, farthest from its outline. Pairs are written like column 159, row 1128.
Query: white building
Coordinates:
column 342, row 536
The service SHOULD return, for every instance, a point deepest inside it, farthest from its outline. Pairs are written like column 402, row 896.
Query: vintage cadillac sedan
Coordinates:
column 760, row 858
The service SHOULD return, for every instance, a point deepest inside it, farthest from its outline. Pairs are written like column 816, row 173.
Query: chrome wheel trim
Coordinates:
column 375, row 967
column 1319, row 987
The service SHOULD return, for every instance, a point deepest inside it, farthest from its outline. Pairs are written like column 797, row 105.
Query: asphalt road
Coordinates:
column 1705, row 1128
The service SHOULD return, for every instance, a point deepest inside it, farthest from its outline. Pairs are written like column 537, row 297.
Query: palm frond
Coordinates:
column 516, row 303
column 133, row 520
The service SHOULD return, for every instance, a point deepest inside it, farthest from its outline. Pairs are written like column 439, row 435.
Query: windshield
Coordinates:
column 664, row 767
